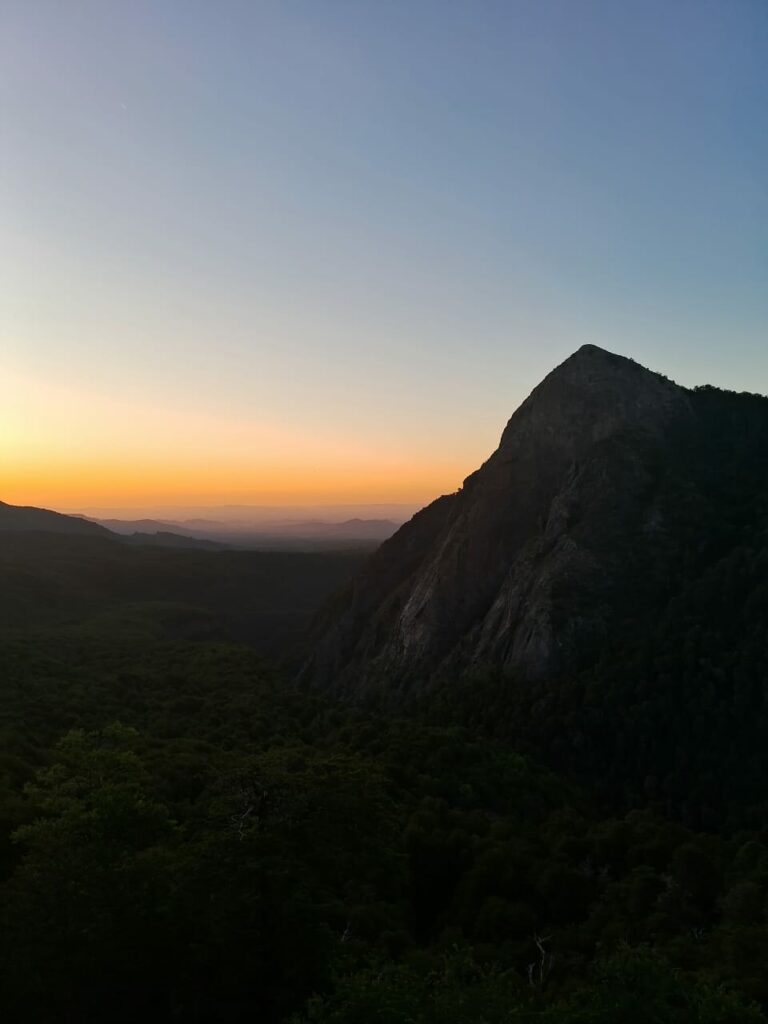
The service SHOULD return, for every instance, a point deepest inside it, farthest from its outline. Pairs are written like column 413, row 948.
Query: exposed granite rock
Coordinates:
column 566, row 523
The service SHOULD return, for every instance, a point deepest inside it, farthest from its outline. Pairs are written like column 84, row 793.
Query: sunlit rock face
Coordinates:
column 574, row 519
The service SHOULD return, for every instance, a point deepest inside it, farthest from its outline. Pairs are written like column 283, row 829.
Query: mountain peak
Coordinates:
column 513, row 569
column 593, row 394
column 589, row 351
column 595, row 364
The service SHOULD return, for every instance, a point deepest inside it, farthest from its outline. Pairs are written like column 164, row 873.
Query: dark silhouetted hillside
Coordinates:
column 610, row 484
column 20, row 518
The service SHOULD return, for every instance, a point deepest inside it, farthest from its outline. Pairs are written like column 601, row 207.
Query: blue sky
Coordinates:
column 364, row 230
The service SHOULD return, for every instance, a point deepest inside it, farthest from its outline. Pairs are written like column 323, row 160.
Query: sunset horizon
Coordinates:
column 320, row 253
column 155, row 458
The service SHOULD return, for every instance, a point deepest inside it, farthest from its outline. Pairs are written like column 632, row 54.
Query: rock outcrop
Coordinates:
column 573, row 520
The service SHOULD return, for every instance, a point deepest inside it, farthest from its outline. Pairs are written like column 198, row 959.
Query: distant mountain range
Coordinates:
column 263, row 533
column 202, row 534
column 253, row 515
column 28, row 519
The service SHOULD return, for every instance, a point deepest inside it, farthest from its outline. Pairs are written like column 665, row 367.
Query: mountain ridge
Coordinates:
column 31, row 519
column 24, row 518
column 577, row 515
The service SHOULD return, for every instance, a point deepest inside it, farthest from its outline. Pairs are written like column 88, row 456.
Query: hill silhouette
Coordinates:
column 23, row 518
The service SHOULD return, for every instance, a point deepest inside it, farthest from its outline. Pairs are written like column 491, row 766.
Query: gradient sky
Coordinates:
column 319, row 250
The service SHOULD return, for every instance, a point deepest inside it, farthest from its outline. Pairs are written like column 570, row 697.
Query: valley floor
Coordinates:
column 185, row 836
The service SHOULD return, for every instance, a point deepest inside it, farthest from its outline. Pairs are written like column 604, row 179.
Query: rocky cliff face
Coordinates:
column 575, row 518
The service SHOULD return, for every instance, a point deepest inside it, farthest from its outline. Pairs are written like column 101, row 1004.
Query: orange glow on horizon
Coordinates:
column 69, row 449
column 92, row 484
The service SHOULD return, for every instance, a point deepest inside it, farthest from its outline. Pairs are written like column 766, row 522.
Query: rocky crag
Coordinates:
column 608, row 479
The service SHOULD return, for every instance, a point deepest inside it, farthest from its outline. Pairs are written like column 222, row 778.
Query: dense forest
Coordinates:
column 185, row 834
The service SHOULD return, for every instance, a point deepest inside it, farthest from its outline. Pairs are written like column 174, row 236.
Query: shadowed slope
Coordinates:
column 597, row 483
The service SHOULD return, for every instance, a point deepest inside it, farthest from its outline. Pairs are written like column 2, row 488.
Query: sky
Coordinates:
column 317, row 251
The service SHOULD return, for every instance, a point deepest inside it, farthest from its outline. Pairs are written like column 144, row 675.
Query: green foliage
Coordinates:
column 451, row 990
column 636, row 986
column 82, row 913
column 183, row 836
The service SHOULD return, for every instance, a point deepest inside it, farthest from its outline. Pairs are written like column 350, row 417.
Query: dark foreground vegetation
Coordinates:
column 186, row 837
